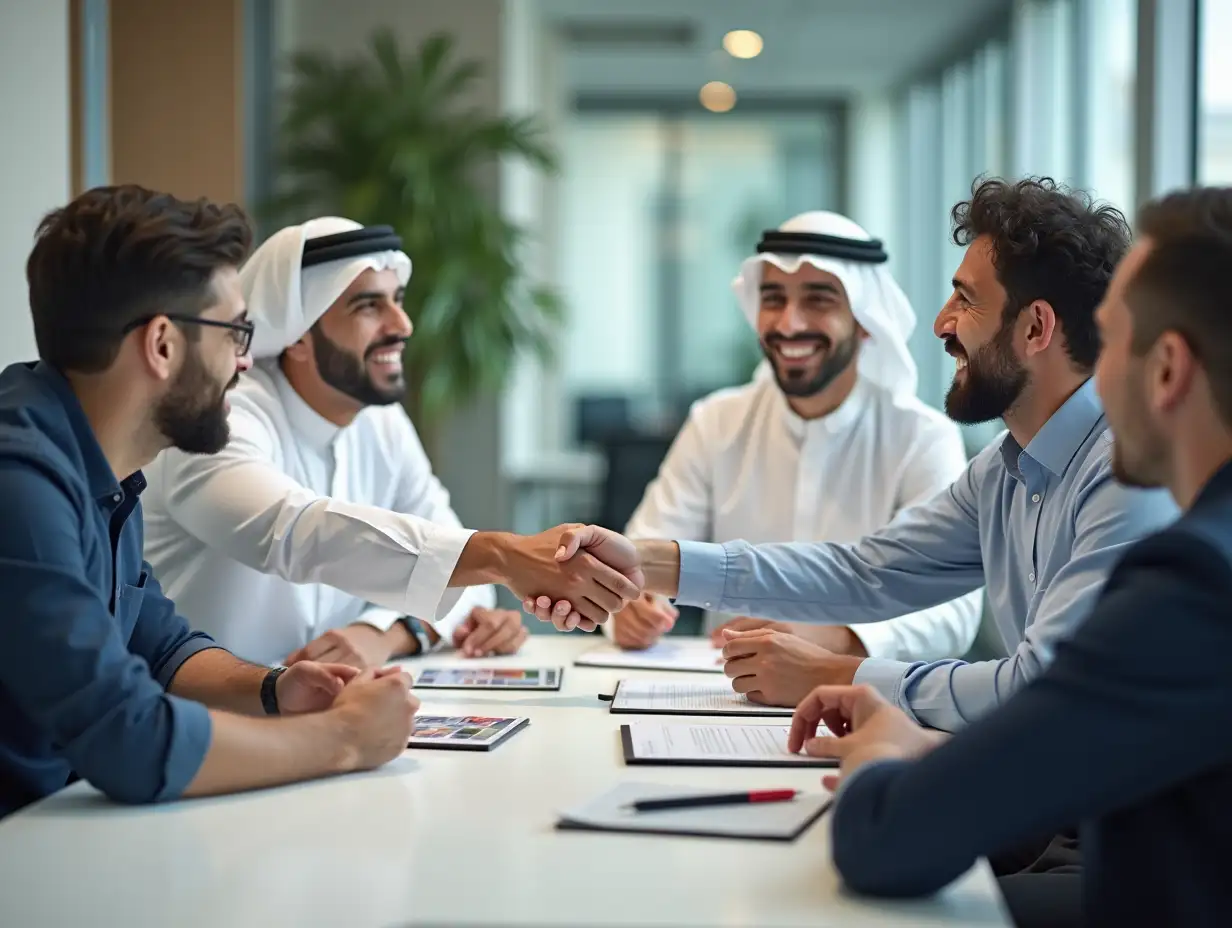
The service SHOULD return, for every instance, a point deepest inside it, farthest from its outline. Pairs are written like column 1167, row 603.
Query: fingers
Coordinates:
column 746, row 684
column 316, row 649
column 834, row 704
column 804, row 720
column 463, row 631
column 744, row 644
column 611, row 581
column 597, row 612
column 831, row 781
column 572, row 540
column 740, row 667
column 488, row 633
column 343, row 673
column 513, row 643
column 741, row 624
column 827, row 746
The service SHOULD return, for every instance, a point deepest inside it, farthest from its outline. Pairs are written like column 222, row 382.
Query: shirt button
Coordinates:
column 1031, row 577
column 116, row 498
column 1035, row 498
column 706, row 605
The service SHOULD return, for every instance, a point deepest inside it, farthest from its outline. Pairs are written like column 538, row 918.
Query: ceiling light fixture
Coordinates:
column 717, row 97
column 742, row 43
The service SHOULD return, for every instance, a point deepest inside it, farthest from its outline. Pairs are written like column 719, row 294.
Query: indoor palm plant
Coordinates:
column 386, row 138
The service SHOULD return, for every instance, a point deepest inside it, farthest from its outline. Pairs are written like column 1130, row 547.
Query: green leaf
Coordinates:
column 385, row 137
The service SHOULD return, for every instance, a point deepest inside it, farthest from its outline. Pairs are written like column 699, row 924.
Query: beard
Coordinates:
column 192, row 415
column 349, row 375
column 993, row 382
column 798, row 383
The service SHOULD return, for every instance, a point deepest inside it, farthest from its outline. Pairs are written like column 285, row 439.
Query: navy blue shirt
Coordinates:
column 1127, row 733
column 88, row 641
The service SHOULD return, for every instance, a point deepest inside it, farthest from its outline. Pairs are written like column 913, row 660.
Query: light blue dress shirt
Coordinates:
column 1040, row 528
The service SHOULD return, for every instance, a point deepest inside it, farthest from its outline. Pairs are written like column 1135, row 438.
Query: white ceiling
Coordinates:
column 812, row 47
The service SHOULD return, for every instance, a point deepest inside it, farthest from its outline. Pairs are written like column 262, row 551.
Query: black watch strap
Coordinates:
column 269, row 690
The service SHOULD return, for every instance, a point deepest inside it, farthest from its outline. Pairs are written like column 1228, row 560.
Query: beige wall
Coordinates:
column 34, row 159
column 176, row 97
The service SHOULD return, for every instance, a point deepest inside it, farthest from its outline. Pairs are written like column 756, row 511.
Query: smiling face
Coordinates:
column 806, row 328
column 358, row 343
column 990, row 377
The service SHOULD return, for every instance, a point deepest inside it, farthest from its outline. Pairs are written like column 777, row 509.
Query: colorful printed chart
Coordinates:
column 489, row 678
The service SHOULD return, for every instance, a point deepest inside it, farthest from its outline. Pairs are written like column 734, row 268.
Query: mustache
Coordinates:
column 391, row 341
column 818, row 338
column 953, row 347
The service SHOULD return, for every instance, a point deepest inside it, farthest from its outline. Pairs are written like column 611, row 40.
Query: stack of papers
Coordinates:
column 669, row 654
column 709, row 697
column 771, row 821
column 687, row 745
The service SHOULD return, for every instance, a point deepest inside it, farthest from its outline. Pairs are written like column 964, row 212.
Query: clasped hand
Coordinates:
column 609, row 573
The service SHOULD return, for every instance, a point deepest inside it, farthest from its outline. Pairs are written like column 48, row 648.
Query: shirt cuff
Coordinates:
column 194, row 644
column 379, row 617
column 426, row 592
column 887, row 678
column 191, row 733
column 703, row 574
column 879, row 639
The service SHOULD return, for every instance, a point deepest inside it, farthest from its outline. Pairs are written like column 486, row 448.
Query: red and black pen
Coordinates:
column 715, row 799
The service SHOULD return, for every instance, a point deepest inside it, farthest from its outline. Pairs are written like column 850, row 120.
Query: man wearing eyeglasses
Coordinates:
column 141, row 332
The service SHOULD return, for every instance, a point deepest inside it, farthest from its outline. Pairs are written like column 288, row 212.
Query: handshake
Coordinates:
column 574, row 576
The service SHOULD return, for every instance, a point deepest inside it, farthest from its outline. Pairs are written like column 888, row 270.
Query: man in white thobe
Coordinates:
column 827, row 443
column 320, row 532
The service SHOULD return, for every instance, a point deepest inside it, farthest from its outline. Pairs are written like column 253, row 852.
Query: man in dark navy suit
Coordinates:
column 1130, row 731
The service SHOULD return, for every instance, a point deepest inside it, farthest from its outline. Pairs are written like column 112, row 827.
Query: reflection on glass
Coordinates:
column 1215, row 115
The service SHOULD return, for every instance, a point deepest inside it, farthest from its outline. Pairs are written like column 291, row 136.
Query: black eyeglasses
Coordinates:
column 241, row 332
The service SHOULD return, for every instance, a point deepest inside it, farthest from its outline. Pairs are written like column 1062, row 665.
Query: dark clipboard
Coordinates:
column 768, row 712
column 567, row 824
column 626, row 742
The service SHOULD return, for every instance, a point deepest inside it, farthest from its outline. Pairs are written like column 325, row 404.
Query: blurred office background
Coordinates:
column 682, row 128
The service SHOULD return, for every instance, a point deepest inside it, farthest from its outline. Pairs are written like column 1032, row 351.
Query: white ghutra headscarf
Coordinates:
column 298, row 273
column 835, row 244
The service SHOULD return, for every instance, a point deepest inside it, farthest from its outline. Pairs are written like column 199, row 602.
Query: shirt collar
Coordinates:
column 836, row 422
column 1055, row 445
column 313, row 429
column 99, row 477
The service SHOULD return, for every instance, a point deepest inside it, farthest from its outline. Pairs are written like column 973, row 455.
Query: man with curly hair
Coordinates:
column 1037, row 518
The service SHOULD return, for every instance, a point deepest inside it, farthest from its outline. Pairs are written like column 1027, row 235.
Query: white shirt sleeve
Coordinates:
column 676, row 503
column 241, row 503
column 935, row 460
column 420, row 493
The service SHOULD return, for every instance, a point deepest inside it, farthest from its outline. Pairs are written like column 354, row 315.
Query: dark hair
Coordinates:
column 1049, row 243
column 1183, row 284
column 115, row 255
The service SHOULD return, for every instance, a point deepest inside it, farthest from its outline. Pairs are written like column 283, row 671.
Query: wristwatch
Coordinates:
column 269, row 690
column 419, row 632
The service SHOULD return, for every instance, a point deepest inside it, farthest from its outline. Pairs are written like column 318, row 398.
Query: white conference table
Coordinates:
column 445, row 838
